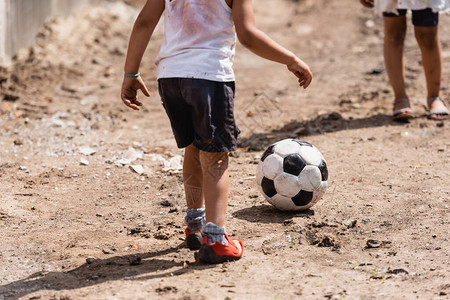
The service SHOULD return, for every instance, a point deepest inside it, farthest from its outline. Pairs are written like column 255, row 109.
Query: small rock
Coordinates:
column 90, row 260
column 84, row 162
column 69, row 88
column 398, row 271
column 162, row 234
column 107, row 251
column 10, row 97
column 369, row 23
column 166, row 289
column 376, row 71
column 373, row 244
column 168, row 203
column 174, row 210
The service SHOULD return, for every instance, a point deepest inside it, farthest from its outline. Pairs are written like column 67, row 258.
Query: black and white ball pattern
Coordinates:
column 292, row 175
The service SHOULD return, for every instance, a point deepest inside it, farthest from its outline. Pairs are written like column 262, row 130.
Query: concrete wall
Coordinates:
column 20, row 20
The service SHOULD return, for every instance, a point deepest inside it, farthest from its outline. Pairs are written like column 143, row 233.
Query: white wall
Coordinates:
column 20, row 20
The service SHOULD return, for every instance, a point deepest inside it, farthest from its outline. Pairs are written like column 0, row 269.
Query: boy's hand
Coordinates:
column 302, row 71
column 130, row 86
column 367, row 3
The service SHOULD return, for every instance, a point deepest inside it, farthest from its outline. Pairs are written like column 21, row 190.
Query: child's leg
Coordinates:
column 217, row 247
column 192, row 177
column 394, row 36
column 193, row 182
column 426, row 29
column 428, row 40
column 215, row 185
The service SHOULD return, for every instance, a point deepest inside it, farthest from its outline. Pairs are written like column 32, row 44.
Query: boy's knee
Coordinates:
column 216, row 160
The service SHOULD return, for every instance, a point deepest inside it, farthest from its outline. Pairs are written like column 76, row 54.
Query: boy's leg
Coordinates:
column 394, row 37
column 193, row 178
column 215, row 185
column 195, row 212
column 217, row 247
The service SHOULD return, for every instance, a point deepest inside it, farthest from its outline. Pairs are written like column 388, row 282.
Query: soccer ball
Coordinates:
column 292, row 175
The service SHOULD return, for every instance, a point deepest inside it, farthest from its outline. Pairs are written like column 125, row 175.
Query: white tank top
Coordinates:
column 199, row 40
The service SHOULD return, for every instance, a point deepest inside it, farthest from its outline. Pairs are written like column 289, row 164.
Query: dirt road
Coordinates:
column 92, row 197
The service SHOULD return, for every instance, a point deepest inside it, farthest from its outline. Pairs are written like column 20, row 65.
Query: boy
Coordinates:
column 196, row 85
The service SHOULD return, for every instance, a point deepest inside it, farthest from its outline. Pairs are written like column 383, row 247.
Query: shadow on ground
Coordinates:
column 139, row 266
column 330, row 122
column 269, row 214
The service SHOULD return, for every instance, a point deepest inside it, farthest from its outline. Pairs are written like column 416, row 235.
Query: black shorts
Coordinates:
column 424, row 17
column 200, row 112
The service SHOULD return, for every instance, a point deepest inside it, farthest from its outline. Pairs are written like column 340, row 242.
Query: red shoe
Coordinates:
column 193, row 239
column 218, row 253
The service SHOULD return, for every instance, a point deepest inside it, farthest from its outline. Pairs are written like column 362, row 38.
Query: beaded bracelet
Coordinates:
column 131, row 75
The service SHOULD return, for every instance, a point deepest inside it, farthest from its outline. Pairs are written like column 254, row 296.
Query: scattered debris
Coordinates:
column 168, row 203
column 398, row 271
column 108, row 250
column 129, row 156
column 139, row 169
column 166, row 289
column 173, row 164
column 373, row 244
column 376, row 71
column 90, row 260
column 87, row 151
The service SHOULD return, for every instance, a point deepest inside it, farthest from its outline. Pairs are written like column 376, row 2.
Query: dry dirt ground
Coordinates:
column 77, row 222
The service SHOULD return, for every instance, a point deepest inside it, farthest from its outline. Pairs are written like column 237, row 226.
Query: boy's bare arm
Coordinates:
column 140, row 36
column 142, row 31
column 262, row 45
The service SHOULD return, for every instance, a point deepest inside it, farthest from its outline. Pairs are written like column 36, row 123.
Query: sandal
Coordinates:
column 440, row 113
column 402, row 114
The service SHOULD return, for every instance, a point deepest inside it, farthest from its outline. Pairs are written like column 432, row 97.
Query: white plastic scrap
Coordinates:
column 87, row 151
column 137, row 168
column 129, row 156
column 173, row 164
